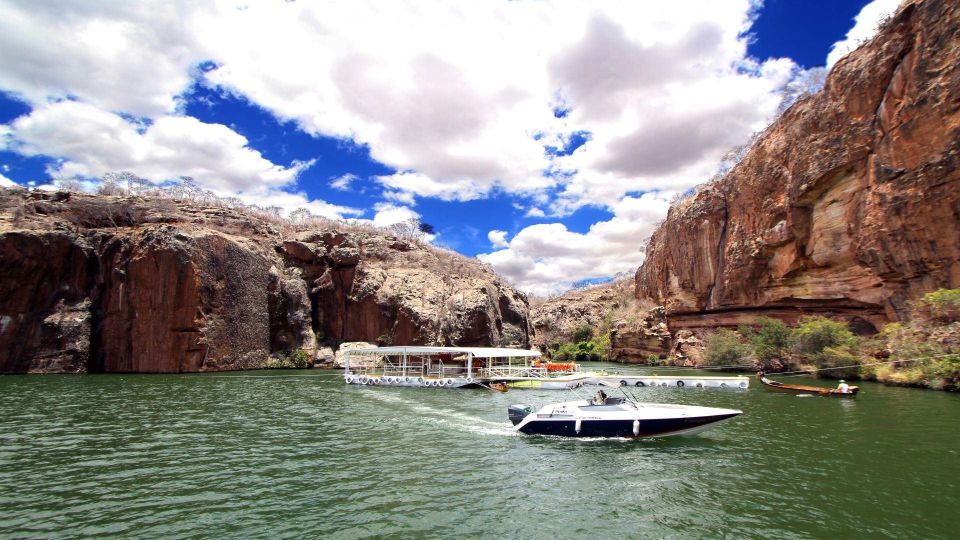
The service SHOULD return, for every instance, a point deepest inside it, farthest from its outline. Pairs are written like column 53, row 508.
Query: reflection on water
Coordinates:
column 286, row 454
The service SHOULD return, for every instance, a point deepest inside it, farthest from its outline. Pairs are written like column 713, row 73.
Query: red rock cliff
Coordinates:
column 848, row 205
column 121, row 284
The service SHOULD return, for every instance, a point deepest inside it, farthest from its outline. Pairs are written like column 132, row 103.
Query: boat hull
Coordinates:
column 545, row 384
column 798, row 389
column 659, row 427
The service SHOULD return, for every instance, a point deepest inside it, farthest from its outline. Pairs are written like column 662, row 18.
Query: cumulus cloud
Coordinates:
column 343, row 181
column 865, row 27
column 117, row 55
column 6, row 182
column 389, row 214
column 548, row 258
column 498, row 239
column 458, row 120
column 89, row 142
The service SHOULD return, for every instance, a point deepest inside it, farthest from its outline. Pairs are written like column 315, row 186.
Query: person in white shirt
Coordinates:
column 843, row 387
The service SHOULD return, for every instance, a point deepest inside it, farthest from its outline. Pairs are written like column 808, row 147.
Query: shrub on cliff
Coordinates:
column 814, row 334
column 927, row 354
column 770, row 338
column 726, row 348
column 581, row 333
column 584, row 346
column 826, row 343
column 941, row 306
column 583, row 351
column 288, row 360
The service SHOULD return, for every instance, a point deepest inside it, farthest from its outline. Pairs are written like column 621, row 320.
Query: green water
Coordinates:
column 297, row 453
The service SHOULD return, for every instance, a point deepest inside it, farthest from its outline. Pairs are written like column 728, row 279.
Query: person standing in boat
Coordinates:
column 600, row 398
column 843, row 387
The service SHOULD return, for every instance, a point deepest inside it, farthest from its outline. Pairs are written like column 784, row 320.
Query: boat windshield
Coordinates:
column 609, row 401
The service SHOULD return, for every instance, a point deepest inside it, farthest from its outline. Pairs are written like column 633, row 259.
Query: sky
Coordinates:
column 546, row 138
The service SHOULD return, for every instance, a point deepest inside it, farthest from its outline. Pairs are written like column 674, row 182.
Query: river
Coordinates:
column 298, row 453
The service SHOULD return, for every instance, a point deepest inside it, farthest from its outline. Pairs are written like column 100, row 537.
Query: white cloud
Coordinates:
column 864, row 29
column 343, row 181
column 535, row 212
column 6, row 182
column 460, row 119
column 412, row 183
column 90, row 142
column 498, row 239
column 402, row 197
column 548, row 258
column 123, row 56
column 389, row 214
column 412, row 83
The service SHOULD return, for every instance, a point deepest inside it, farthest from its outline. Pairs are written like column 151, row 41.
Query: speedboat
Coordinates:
column 616, row 417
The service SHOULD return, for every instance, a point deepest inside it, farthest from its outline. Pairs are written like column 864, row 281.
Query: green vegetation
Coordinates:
column 289, row 360
column 941, row 306
column 581, row 333
column 825, row 343
column 591, row 349
column 816, row 334
column 583, row 346
column 770, row 338
column 926, row 347
column 726, row 348
column 923, row 351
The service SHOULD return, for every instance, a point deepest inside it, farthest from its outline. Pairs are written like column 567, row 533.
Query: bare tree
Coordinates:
column 412, row 228
column 805, row 82
column 68, row 184
column 300, row 216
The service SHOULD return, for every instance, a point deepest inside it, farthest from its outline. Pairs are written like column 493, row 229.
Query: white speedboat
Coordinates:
column 616, row 417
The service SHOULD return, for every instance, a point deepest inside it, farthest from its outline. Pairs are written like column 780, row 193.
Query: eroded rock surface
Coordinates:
column 848, row 206
column 127, row 284
column 636, row 331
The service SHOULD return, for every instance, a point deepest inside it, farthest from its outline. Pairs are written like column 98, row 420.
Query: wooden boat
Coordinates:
column 801, row 389
column 499, row 386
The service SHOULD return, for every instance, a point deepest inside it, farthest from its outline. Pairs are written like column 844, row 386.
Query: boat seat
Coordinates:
column 610, row 401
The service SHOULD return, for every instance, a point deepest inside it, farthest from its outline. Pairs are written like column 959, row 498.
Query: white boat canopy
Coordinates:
column 476, row 352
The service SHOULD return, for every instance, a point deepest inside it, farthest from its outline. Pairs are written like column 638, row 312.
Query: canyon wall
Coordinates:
column 847, row 206
column 128, row 284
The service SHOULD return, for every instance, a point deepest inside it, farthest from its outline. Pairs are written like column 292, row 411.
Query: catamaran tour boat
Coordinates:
column 456, row 367
column 616, row 417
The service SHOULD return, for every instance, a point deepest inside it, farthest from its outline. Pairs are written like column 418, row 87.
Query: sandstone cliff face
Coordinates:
column 849, row 205
column 135, row 285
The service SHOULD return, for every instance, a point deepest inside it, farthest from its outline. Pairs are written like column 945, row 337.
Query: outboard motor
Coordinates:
column 518, row 412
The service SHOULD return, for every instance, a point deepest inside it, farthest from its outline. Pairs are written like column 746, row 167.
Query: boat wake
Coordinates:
column 447, row 418
column 494, row 429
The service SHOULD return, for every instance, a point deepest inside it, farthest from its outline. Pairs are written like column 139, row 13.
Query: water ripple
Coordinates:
column 292, row 454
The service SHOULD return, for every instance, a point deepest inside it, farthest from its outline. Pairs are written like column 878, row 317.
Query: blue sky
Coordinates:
column 549, row 147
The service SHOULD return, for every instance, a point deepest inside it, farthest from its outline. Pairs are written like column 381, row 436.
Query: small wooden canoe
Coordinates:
column 499, row 386
column 801, row 389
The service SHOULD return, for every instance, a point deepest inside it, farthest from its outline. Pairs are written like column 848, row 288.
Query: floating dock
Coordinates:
column 736, row 382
